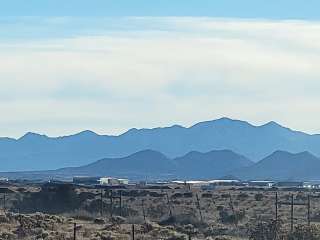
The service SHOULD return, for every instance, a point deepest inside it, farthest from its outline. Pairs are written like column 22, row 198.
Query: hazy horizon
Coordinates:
column 155, row 127
column 159, row 119
column 66, row 69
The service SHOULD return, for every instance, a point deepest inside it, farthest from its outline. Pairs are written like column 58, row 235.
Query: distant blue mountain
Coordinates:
column 138, row 165
column 214, row 164
column 39, row 152
column 153, row 164
column 150, row 164
column 283, row 165
column 220, row 164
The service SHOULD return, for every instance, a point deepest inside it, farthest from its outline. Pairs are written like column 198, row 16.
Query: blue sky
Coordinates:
column 271, row 9
column 107, row 66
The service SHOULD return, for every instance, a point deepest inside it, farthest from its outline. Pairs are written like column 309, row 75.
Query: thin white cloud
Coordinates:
column 144, row 72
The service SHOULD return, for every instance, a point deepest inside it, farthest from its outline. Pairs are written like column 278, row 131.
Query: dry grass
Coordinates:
column 157, row 223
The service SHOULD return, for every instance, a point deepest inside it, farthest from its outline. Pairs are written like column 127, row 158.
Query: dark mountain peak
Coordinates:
column 191, row 154
column 210, row 165
column 283, row 158
column 306, row 154
column 88, row 132
column 225, row 119
column 273, row 125
column 144, row 163
column 8, row 139
column 30, row 136
column 280, row 153
column 283, row 165
column 223, row 151
column 222, row 122
column 130, row 131
column 177, row 126
column 214, row 154
column 134, row 131
column 149, row 154
column 85, row 133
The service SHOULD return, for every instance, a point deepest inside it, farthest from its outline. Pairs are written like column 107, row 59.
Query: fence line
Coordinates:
column 111, row 196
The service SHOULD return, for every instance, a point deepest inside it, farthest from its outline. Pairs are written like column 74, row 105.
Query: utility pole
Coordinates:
column 276, row 206
column 309, row 210
column 111, row 203
column 101, row 203
column 233, row 211
column 143, row 210
column 4, row 202
column 75, row 231
column 132, row 231
column 199, row 207
column 120, row 202
column 169, row 204
column 291, row 203
column 291, row 213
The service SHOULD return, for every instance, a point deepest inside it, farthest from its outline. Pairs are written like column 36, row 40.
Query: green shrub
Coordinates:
column 258, row 197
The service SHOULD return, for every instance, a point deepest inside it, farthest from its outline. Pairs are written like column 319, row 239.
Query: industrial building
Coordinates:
column 113, row 181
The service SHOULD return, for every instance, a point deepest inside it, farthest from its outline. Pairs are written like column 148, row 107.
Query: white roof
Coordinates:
column 205, row 182
column 223, row 181
column 261, row 181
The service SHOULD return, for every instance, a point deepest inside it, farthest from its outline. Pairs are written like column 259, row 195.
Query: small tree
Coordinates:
column 230, row 217
column 258, row 197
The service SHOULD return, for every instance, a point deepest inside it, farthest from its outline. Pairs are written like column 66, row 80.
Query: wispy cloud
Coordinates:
column 110, row 74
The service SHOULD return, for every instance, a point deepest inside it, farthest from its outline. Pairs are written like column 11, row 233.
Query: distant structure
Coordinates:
column 209, row 185
column 4, row 180
column 109, row 181
column 268, row 184
column 86, row 180
column 290, row 184
column 105, row 181
column 312, row 184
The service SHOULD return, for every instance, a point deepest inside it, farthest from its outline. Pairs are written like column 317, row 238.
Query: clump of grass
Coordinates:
column 81, row 215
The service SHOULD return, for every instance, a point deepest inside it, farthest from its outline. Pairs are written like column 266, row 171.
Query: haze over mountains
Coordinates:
column 39, row 152
column 152, row 164
column 280, row 165
column 283, row 166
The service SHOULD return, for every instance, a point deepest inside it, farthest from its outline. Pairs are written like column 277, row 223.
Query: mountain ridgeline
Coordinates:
column 280, row 165
column 283, row 165
column 39, row 152
column 152, row 164
column 218, row 164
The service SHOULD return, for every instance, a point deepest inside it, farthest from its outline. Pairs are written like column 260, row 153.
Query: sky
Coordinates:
column 108, row 66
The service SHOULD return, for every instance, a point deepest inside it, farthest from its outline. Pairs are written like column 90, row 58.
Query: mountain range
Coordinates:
column 39, row 152
column 219, row 164
column 150, row 164
column 279, row 165
column 283, row 165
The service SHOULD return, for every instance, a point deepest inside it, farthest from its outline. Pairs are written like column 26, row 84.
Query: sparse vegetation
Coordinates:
column 173, row 213
column 258, row 197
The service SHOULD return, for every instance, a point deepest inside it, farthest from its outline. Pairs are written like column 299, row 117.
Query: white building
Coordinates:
column 208, row 184
column 113, row 181
column 4, row 180
column 268, row 184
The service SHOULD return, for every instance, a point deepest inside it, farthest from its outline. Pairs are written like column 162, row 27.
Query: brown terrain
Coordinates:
column 63, row 211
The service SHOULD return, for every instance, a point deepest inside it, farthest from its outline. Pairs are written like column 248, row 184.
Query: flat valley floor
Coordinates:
column 171, row 213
